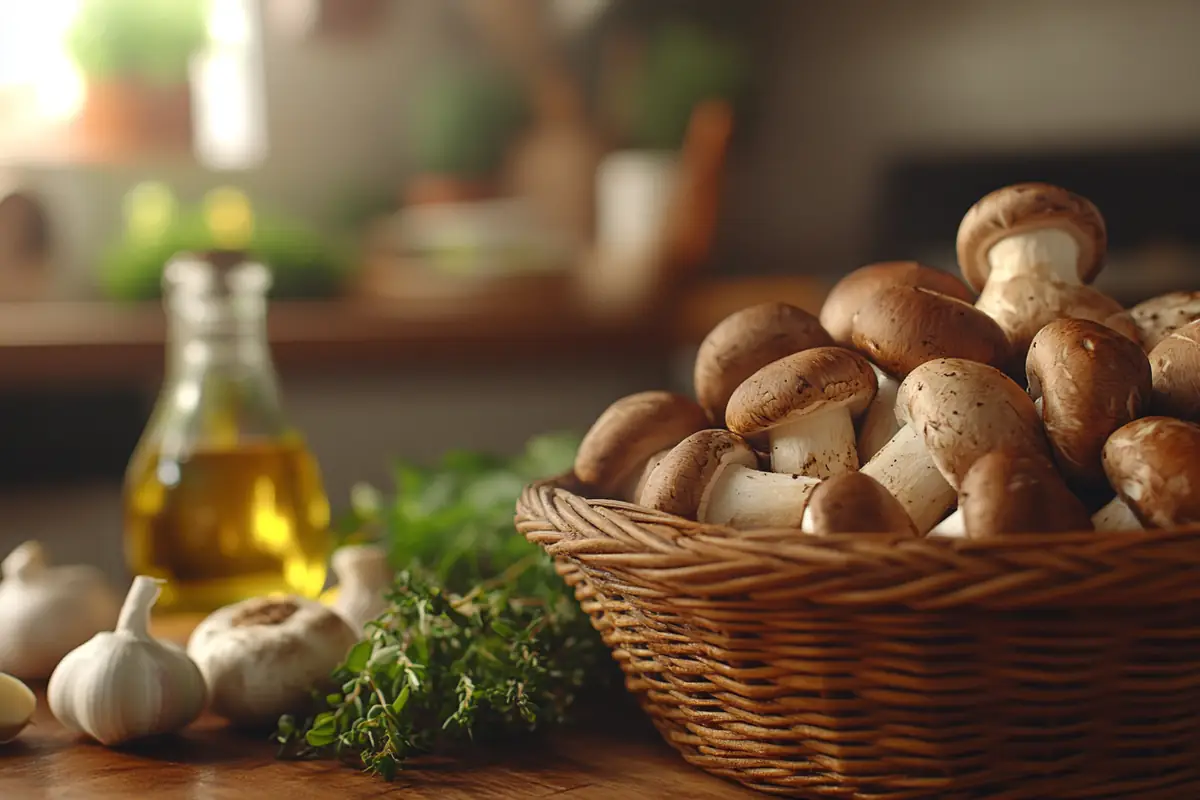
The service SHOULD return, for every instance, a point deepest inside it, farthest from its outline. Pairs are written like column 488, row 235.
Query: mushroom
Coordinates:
column 1175, row 374
column 805, row 405
column 1153, row 320
column 1005, row 493
column 1091, row 380
column 855, row 503
column 854, row 290
column 1152, row 465
column 619, row 450
column 1024, row 305
column 713, row 477
column 1030, row 250
column 1031, row 229
column 953, row 411
column 745, row 342
column 901, row 327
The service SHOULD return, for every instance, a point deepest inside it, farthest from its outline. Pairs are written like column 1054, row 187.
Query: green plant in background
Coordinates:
column 303, row 263
column 482, row 638
column 463, row 119
column 684, row 66
column 146, row 40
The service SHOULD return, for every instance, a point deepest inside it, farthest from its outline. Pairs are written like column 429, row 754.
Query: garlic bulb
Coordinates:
column 17, row 704
column 125, row 684
column 46, row 612
column 262, row 657
column 363, row 576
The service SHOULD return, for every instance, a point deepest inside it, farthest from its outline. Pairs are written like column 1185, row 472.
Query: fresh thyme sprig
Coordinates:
column 481, row 638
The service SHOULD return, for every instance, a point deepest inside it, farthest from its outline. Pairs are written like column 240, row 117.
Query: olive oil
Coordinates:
column 223, row 499
column 219, row 525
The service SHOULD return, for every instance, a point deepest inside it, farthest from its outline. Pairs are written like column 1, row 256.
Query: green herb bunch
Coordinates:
column 481, row 638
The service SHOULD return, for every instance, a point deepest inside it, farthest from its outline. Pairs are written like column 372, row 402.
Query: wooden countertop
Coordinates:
column 616, row 757
column 90, row 342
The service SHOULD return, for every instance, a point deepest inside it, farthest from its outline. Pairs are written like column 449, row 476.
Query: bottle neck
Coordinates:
column 220, row 385
column 228, row 336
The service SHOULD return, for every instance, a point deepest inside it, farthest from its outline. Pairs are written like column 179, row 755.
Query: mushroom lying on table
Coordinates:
column 745, row 342
column 1153, row 320
column 855, row 503
column 1031, row 250
column 1175, row 374
column 901, row 327
column 954, row 412
column 854, row 290
column 713, row 477
column 1004, row 493
column 805, row 405
column 1091, row 380
column 621, row 447
column 1153, row 463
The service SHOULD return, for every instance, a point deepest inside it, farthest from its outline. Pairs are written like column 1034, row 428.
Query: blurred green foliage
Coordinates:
column 454, row 520
column 685, row 65
column 303, row 263
column 463, row 119
column 150, row 40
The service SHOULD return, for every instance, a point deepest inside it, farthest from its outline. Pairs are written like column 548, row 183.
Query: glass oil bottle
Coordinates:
column 223, row 499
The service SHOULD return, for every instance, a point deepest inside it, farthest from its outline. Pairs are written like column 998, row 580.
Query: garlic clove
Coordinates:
column 126, row 685
column 262, row 657
column 17, row 704
column 47, row 611
column 364, row 577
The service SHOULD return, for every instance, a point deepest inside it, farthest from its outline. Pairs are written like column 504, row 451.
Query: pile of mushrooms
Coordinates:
column 912, row 406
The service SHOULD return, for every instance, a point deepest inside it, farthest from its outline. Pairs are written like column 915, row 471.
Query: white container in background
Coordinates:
column 634, row 189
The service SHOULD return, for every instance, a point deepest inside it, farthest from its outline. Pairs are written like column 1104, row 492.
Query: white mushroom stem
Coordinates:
column 879, row 423
column 820, row 444
column 905, row 468
column 1048, row 253
column 25, row 561
column 1116, row 516
column 951, row 527
column 741, row 497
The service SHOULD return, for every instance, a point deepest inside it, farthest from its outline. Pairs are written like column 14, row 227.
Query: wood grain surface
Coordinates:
column 616, row 756
column 53, row 343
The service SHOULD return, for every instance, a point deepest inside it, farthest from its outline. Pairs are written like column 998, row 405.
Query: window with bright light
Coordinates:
column 41, row 89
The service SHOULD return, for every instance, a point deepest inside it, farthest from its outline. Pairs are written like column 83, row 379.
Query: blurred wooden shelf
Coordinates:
column 101, row 342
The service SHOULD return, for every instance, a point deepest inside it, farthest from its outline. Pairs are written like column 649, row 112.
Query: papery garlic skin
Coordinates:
column 47, row 611
column 364, row 577
column 17, row 704
column 262, row 657
column 126, row 685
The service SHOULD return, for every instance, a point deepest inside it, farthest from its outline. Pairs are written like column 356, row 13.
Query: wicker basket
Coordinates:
column 859, row 667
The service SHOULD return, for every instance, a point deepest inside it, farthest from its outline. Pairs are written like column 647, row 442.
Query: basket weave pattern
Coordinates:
column 1047, row 667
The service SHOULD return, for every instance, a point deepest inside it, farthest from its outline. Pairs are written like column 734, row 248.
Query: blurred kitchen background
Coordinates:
column 490, row 218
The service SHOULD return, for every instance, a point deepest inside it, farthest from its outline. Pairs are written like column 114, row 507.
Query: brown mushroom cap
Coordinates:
column 1092, row 380
column 1005, row 493
column 1023, row 208
column 854, row 290
column 679, row 483
column 901, row 327
column 800, row 384
column 854, row 502
column 1152, row 464
column 1157, row 318
column 745, row 342
column 1175, row 374
column 965, row 410
column 629, row 433
column 1024, row 305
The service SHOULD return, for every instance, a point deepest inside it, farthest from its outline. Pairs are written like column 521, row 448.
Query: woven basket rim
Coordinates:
column 666, row 555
